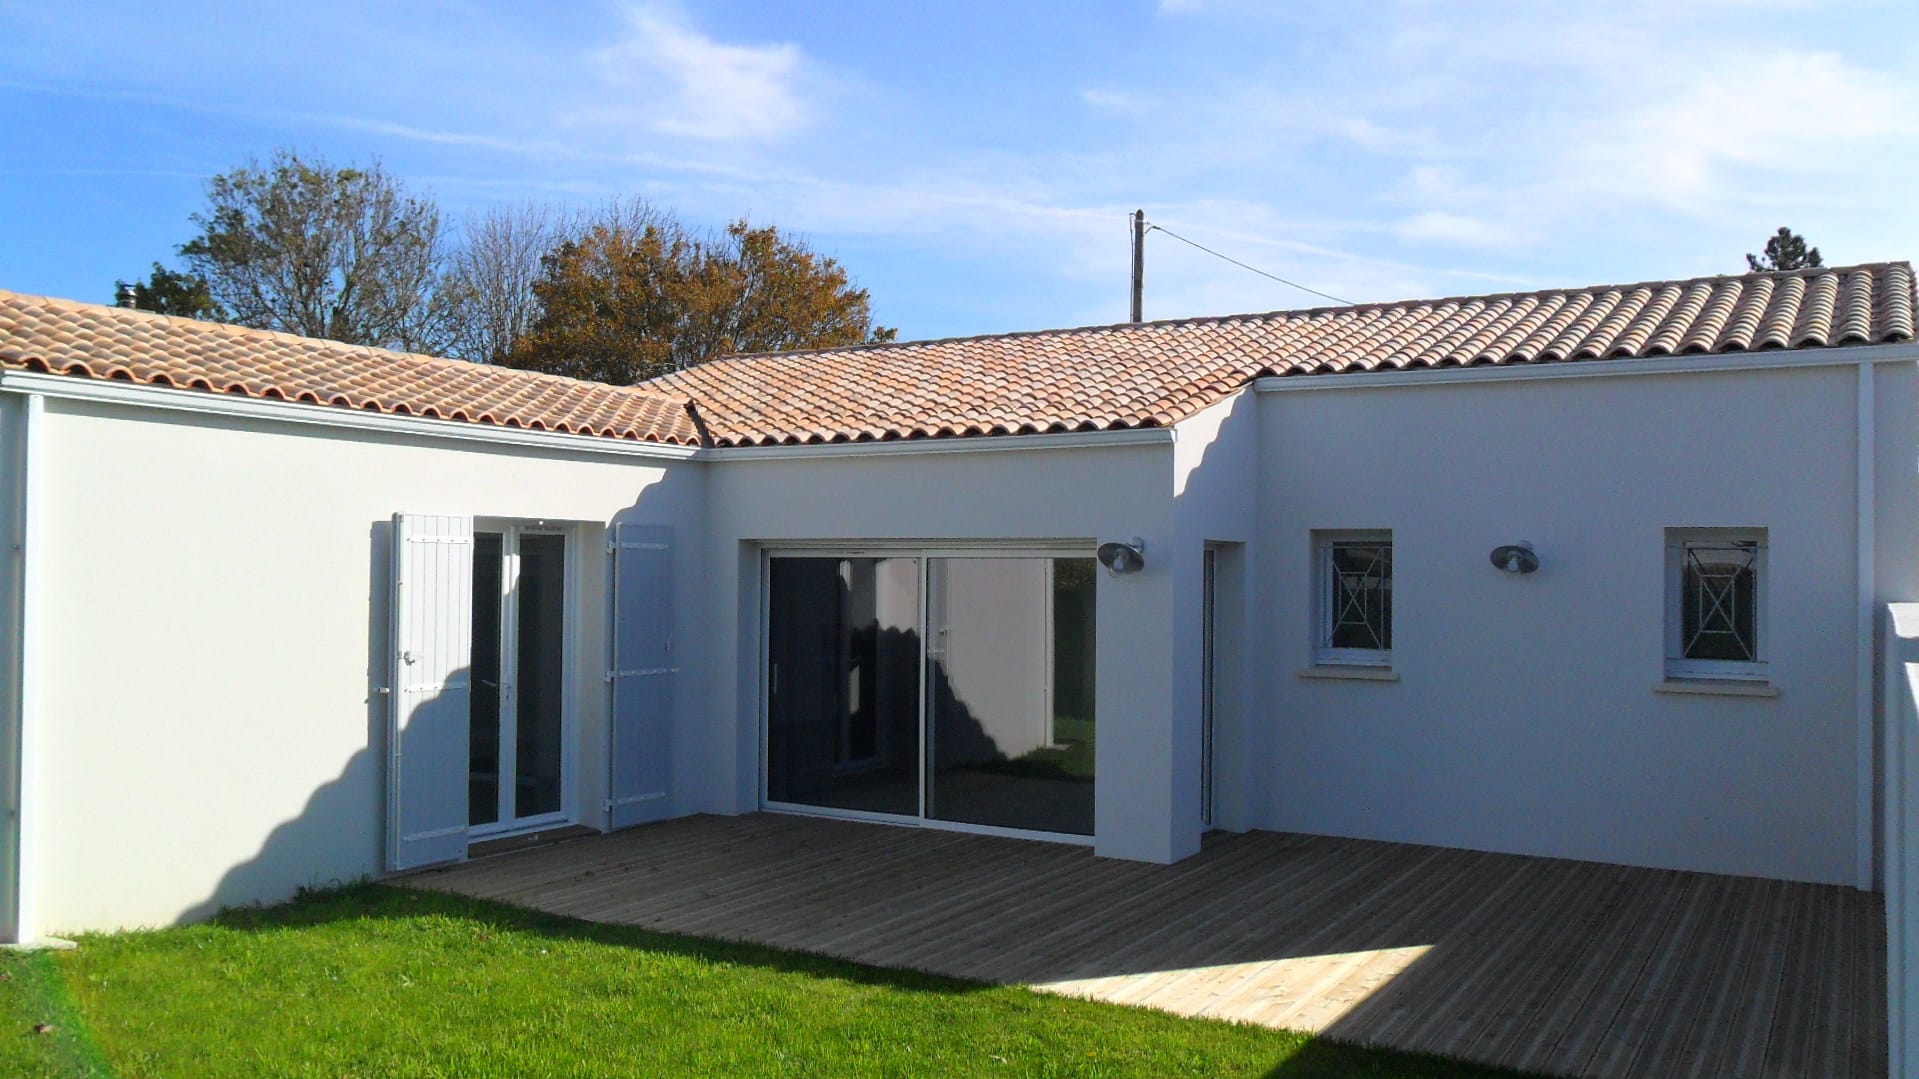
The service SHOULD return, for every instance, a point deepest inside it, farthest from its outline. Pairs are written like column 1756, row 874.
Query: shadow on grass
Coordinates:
column 384, row 901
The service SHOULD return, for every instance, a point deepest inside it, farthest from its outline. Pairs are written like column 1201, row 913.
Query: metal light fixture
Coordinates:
column 1121, row 558
column 1516, row 557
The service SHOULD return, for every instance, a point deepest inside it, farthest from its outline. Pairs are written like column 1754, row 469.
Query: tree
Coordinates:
column 630, row 299
column 490, row 276
column 342, row 253
column 169, row 293
column 1786, row 250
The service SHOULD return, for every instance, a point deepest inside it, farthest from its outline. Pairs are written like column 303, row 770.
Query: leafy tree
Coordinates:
column 637, row 296
column 169, row 293
column 1786, row 250
column 343, row 253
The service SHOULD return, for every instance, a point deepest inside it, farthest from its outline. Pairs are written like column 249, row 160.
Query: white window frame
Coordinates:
column 1324, row 654
column 1678, row 667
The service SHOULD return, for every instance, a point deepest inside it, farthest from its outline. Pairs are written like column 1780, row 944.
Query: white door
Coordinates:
column 429, row 689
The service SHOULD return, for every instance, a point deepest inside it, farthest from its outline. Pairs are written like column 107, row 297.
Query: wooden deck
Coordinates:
column 1555, row 966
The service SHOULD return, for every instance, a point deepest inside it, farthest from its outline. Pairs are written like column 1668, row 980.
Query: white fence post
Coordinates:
column 1901, row 697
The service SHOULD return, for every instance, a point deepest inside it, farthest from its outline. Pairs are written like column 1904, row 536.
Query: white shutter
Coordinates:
column 640, row 674
column 431, row 687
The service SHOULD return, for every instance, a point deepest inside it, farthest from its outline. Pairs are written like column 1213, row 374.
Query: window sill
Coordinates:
column 1716, row 687
column 1353, row 673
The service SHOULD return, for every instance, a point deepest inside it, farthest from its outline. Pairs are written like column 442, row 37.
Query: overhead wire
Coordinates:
column 1151, row 227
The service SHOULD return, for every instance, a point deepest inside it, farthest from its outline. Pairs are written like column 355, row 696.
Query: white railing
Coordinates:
column 1901, row 697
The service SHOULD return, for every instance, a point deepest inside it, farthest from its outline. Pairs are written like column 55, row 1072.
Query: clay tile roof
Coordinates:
column 1158, row 373
column 1095, row 378
column 87, row 340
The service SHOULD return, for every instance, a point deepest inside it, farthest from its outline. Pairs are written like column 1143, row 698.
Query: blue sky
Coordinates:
column 973, row 164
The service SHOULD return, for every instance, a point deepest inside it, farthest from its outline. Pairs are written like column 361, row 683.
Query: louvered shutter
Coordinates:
column 641, row 673
column 430, row 690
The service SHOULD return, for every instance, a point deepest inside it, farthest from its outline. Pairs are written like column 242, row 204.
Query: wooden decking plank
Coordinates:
column 1134, row 902
column 1514, row 952
column 1648, row 995
column 1448, row 999
column 1538, row 963
column 1316, row 934
column 1690, row 992
column 1431, row 915
column 1427, row 992
column 1598, row 1016
column 1619, row 900
column 785, row 888
column 972, row 891
column 1760, row 1022
column 1334, row 948
column 669, row 888
column 1206, row 905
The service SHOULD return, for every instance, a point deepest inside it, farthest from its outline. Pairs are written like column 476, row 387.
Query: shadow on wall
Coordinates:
column 353, row 803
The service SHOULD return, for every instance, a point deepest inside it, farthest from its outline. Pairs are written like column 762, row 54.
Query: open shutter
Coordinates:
column 640, row 673
column 427, row 741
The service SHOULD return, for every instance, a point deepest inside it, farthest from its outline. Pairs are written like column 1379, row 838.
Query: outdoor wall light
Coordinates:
column 1516, row 557
column 1121, row 558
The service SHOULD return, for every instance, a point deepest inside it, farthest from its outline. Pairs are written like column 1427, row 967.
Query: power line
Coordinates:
column 1244, row 266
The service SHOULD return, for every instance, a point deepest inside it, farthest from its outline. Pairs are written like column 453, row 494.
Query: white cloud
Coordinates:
column 1439, row 227
column 1688, row 145
column 676, row 80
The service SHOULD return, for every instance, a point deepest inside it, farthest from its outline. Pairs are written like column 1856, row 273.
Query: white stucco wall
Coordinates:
column 1525, row 717
column 216, row 612
column 1077, row 495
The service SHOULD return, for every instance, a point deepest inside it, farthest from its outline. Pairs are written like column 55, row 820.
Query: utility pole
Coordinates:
column 1139, row 265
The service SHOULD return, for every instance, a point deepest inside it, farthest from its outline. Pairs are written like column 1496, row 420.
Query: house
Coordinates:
column 1591, row 573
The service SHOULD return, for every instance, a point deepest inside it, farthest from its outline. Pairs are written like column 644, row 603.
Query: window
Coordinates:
column 1716, row 603
column 1355, row 598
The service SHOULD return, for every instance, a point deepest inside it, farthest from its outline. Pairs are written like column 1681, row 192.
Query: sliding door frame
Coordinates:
column 511, row 530
column 924, row 553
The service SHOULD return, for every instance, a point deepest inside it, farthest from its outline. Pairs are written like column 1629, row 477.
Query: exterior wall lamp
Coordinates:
column 1516, row 557
column 1121, row 558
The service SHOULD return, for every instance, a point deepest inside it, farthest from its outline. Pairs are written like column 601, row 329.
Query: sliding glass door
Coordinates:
column 842, row 692
column 949, row 687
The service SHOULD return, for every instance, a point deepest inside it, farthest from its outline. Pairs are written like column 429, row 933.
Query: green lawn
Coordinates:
column 378, row 981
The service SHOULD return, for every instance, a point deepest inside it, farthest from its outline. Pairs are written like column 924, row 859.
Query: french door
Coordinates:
column 519, row 772
column 953, row 688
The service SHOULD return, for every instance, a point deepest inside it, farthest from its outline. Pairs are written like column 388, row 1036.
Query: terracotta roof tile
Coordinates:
column 1158, row 373
column 68, row 338
column 1091, row 379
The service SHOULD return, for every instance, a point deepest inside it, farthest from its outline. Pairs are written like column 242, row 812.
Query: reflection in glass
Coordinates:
column 843, row 695
column 483, row 745
column 1009, row 684
column 539, row 695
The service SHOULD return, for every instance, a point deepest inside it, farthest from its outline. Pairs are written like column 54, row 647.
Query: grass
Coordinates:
column 1071, row 758
column 380, row 981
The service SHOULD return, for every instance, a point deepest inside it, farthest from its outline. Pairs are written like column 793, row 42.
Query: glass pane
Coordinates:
column 1010, row 692
column 540, row 691
column 1360, row 577
column 1719, row 602
column 483, row 752
column 843, row 684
